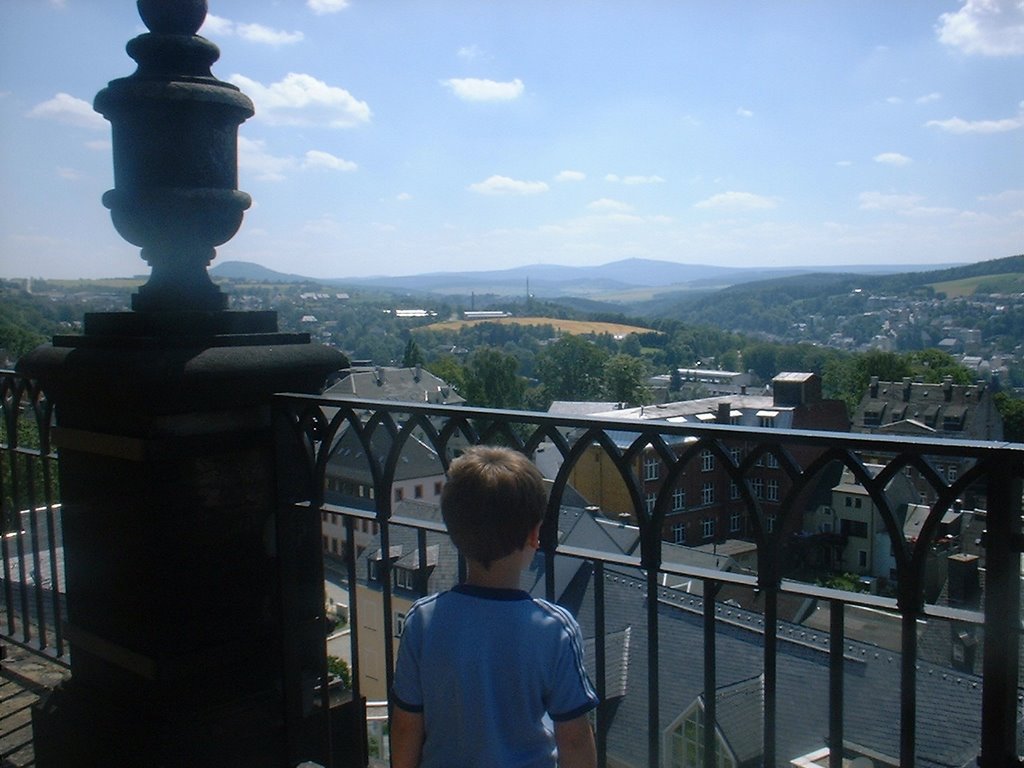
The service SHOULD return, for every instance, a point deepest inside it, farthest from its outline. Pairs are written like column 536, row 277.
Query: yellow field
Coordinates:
column 1012, row 282
column 575, row 327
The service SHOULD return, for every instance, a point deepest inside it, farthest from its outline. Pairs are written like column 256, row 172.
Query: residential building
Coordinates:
column 705, row 504
column 917, row 409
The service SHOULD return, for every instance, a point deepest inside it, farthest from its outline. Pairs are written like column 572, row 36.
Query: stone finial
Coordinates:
column 172, row 17
column 175, row 136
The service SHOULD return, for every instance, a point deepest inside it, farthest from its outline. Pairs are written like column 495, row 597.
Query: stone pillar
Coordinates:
column 167, row 457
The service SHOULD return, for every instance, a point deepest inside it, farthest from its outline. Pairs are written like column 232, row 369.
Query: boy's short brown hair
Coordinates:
column 493, row 498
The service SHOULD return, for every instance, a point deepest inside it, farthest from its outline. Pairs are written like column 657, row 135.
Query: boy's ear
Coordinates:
column 533, row 539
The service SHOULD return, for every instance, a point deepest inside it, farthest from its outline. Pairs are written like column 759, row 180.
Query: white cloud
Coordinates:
column 986, row 27
column 67, row 109
column 894, row 100
column 607, row 204
column 960, row 126
column 744, row 112
column 1013, row 196
column 253, row 157
column 317, row 159
column 470, row 52
column 844, row 163
column 69, row 174
column 503, row 185
column 475, row 89
column 218, row 26
column 301, row 99
column 738, row 201
column 403, row 196
column 257, row 33
column 633, row 179
column 892, row 158
column 571, row 176
column 880, row 201
column 928, row 98
column 100, row 145
column 904, row 205
column 322, row 7
column 215, row 25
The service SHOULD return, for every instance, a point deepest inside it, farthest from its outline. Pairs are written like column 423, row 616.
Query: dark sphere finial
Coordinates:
column 173, row 17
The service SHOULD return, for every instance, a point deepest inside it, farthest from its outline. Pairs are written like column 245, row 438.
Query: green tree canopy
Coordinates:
column 492, row 380
column 624, row 379
column 572, row 369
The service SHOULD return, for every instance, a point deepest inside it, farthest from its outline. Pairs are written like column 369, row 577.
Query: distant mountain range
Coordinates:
column 629, row 279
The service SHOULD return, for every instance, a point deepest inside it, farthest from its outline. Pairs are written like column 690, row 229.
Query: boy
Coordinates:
column 488, row 676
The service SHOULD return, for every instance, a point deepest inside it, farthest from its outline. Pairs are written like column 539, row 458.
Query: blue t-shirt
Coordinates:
column 490, row 669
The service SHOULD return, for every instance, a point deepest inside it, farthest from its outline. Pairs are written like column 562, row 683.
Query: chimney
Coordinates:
column 417, row 373
column 947, row 388
column 964, row 583
column 906, row 389
column 724, row 409
column 378, row 374
column 873, row 390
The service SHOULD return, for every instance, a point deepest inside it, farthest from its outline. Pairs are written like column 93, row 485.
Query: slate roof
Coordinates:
column 915, row 408
column 949, row 703
column 410, row 385
column 349, row 460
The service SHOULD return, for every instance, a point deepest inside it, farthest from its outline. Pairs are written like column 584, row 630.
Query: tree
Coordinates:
column 571, row 369
column 448, row 369
column 934, row 365
column 624, row 377
column 412, row 355
column 338, row 667
column 1012, row 411
column 492, row 380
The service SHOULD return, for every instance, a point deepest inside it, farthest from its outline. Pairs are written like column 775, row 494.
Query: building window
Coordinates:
column 849, row 501
column 651, row 468
column 771, row 461
column 649, row 501
column 679, row 533
column 769, row 523
column 399, row 494
column 373, row 569
column 437, row 488
column 736, row 454
column 707, row 493
column 734, row 490
column 857, row 502
column 951, row 473
column 773, row 490
column 766, row 422
column 856, row 528
column 707, row 460
column 678, row 500
column 686, row 744
column 735, row 521
column 399, row 624
column 758, row 486
column 862, row 558
column 403, row 578
column 708, row 527
column 417, row 492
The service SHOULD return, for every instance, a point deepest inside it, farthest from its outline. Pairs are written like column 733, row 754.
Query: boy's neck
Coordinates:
column 505, row 573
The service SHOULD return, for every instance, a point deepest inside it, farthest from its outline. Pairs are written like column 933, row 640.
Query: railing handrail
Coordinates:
column 323, row 419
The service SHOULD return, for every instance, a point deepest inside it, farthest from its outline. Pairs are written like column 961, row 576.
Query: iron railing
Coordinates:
column 310, row 432
column 32, row 578
column 312, row 428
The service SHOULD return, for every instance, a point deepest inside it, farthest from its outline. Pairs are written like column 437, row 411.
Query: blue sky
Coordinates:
column 404, row 136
